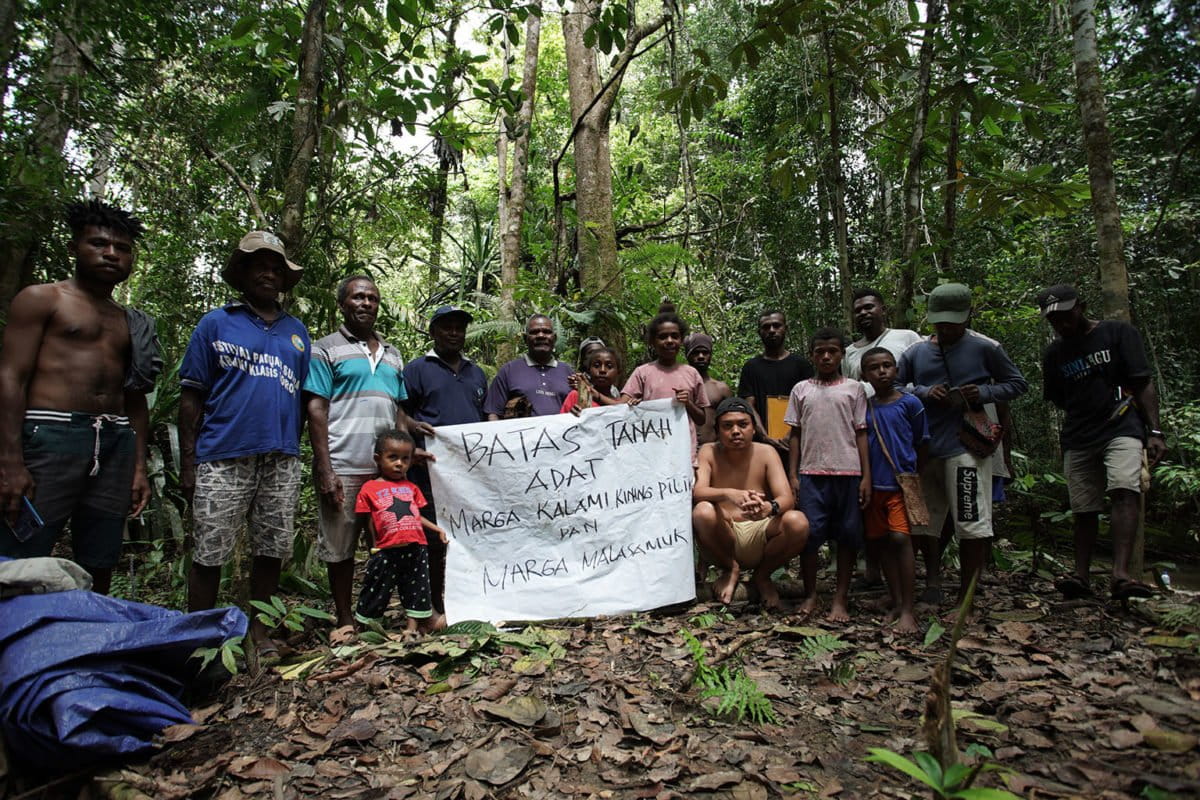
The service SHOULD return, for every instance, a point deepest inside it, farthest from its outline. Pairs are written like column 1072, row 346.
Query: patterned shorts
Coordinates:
column 260, row 490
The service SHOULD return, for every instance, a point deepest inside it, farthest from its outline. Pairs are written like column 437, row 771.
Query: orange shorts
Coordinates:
column 884, row 514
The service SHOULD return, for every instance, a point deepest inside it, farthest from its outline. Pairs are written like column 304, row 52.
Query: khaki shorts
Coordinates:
column 750, row 541
column 1091, row 473
column 337, row 531
column 259, row 490
column 961, row 486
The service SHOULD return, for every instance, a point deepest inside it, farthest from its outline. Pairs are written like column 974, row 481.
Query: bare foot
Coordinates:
column 809, row 606
column 724, row 585
column 838, row 611
column 906, row 624
column 891, row 616
column 435, row 623
column 767, row 591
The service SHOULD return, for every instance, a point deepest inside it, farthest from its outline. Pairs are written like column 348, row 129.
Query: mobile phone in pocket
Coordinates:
column 28, row 523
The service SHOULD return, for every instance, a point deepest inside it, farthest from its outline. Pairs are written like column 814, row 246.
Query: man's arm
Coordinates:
column 329, row 485
column 30, row 311
column 777, row 483
column 191, row 409
column 794, row 458
column 1146, row 397
column 139, row 418
column 703, row 490
column 864, row 460
column 406, row 423
column 497, row 395
column 1007, row 381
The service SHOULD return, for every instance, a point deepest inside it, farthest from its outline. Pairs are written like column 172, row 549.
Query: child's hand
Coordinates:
column 442, row 536
column 682, row 396
column 864, row 493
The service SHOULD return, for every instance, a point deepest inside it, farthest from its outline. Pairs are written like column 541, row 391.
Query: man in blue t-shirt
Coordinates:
column 444, row 388
column 240, row 417
column 353, row 393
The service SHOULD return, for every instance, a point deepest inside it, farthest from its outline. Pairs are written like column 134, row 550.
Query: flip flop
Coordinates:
column 1125, row 588
column 1072, row 588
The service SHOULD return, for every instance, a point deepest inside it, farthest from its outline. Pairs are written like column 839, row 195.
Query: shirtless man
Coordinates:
column 698, row 349
column 74, row 374
column 743, row 514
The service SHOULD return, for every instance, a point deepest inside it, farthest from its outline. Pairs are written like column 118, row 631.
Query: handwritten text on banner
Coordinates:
column 565, row 516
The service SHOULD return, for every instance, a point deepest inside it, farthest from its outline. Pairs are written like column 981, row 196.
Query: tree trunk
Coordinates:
column 837, row 181
column 305, row 128
column 448, row 159
column 1114, row 280
column 9, row 12
column 912, row 174
column 512, row 199
column 59, row 91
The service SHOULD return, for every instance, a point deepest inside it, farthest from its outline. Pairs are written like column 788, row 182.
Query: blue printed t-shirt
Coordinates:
column 250, row 372
column 439, row 395
column 363, row 395
column 394, row 509
column 904, row 428
column 544, row 384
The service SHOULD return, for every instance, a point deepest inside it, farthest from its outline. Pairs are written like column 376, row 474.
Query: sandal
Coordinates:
column 1073, row 588
column 1125, row 588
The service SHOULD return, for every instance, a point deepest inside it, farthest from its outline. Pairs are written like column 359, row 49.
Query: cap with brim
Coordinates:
column 696, row 341
column 441, row 312
column 1062, row 297
column 253, row 242
column 950, row 302
column 730, row 405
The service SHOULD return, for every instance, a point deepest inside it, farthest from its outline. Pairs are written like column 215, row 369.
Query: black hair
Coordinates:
column 666, row 313
column 343, row 287
column 102, row 215
column 532, row 317
column 770, row 312
column 868, row 291
column 393, row 435
column 598, row 350
column 822, row 334
column 878, row 351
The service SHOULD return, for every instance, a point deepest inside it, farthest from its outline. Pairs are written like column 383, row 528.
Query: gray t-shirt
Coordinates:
column 897, row 340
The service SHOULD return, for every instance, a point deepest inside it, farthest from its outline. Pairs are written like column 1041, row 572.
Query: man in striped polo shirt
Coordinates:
column 353, row 393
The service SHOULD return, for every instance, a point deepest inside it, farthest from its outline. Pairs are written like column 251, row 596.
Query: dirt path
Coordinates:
column 1075, row 699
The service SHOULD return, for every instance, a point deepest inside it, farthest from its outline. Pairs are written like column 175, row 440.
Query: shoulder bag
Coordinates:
column 977, row 432
column 910, row 482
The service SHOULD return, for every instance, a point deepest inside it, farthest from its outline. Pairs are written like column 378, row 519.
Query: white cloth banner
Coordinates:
column 565, row 516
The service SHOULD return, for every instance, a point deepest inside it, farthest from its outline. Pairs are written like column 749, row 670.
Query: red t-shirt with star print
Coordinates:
column 393, row 506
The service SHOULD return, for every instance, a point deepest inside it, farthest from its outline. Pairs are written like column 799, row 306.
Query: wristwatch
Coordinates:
column 774, row 508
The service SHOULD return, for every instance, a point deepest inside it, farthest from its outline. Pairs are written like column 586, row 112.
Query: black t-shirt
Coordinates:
column 762, row 378
column 1084, row 377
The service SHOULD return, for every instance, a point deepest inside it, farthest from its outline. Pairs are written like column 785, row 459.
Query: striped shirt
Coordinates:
column 363, row 395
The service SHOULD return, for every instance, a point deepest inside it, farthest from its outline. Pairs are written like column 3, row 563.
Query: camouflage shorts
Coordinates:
column 259, row 490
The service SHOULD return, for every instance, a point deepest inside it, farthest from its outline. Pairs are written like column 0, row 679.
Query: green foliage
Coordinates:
column 821, row 650
column 278, row 613
column 952, row 784
column 229, row 652
column 1180, row 617
column 1178, row 480
column 738, row 695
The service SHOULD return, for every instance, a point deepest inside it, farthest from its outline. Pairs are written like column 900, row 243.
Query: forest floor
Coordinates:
column 1072, row 699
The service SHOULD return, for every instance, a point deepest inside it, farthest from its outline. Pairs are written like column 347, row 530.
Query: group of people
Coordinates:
column 807, row 450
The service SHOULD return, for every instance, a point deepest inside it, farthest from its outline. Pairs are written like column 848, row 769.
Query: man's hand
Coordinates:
column 15, row 483
column 1156, row 448
column 329, row 486
column 757, row 507
column 422, row 456
column 682, row 396
column 140, row 494
column 939, row 393
column 970, row 393
column 187, row 482
column 416, row 428
column 794, row 482
column 864, row 492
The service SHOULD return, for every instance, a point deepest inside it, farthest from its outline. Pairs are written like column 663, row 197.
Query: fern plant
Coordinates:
column 738, row 694
column 820, row 650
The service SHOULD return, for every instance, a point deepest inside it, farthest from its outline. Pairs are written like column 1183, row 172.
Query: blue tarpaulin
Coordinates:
column 87, row 678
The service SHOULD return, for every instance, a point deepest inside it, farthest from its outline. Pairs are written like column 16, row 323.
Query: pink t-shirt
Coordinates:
column 653, row 381
column 829, row 416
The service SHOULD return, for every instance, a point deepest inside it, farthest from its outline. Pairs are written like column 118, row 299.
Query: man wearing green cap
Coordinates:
column 950, row 372
column 240, row 416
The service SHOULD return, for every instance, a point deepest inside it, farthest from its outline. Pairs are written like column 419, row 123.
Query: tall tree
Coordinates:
column 592, row 101
column 445, row 148
column 1089, row 89
column 306, row 127
column 513, row 189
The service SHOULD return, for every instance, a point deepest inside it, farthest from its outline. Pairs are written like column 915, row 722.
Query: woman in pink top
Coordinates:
column 664, row 377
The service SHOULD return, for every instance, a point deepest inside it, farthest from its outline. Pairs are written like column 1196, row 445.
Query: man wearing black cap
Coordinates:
column 743, row 514
column 444, row 388
column 353, row 393
column 240, row 416
column 697, row 348
column 1096, row 371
